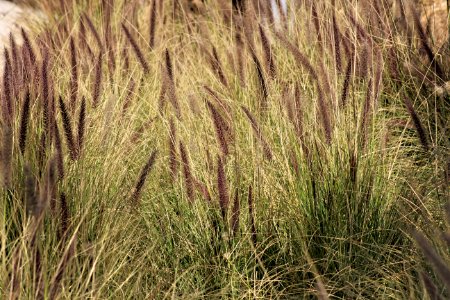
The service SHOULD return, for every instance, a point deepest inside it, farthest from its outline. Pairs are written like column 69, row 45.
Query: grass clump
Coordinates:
column 302, row 150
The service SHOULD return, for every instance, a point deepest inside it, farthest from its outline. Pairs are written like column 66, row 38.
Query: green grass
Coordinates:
column 326, row 216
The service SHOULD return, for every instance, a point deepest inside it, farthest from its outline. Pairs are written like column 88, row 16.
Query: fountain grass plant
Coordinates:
column 150, row 150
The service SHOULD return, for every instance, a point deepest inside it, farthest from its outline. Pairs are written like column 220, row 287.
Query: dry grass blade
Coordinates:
column 64, row 262
column 188, row 178
column 130, row 93
column 322, row 293
column 417, row 124
column 14, row 292
column 367, row 108
column 136, row 49
column 425, row 43
column 142, row 178
column 256, row 129
column 67, row 125
column 240, row 57
column 251, row 215
column 441, row 268
column 236, row 213
column 346, row 84
column 93, row 30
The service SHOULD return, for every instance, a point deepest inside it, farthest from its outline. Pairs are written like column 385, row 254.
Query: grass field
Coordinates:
column 157, row 149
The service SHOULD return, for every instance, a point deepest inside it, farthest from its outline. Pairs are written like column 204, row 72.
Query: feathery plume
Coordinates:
column 346, row 83
column 59, row 152
column 431, row 289
column 324, row 114
column 270, row 64
column 188, row 178
column 173, row 162
column 129, row 97
column 74, row 74
column 169, row 67
column 136, row 49
column 315, row 18
column 152, row 27
column 6, row 151
column 31, row 197
column 442, row 270
column 261, row 80
column 224, row 198
column 81, row 124
column 336, row 39
column 7, row 89
column 64, row 215
column 45, row 93
column 28, row 47
column 299, row 57
column 97, row 81
column 7, row 156
column 303, row 61
column 170, row 85
column 67, row 129
column 203, row 189
column 15, row 65
column 225, row 106
column 126, row 60
column 24, row 122
column 142, row 178
column 217, row 67
column 219, row 125
column 257, row 130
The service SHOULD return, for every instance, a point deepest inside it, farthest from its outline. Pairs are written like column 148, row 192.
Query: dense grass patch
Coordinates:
column 180, row 150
